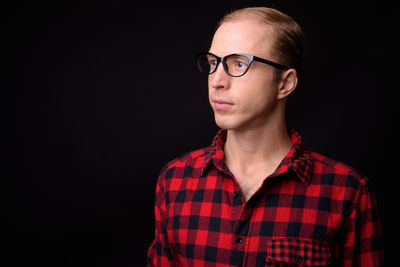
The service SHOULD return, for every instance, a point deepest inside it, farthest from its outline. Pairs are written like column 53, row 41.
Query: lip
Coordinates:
column 220, row 104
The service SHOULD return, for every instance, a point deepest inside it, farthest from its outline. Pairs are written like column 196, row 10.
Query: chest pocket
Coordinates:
column 294, row 252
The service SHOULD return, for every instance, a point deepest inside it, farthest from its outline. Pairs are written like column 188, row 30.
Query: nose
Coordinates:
column 219, row 79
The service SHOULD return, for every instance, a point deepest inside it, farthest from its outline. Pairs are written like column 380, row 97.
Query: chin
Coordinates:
column 227, row 124
column 238, row 123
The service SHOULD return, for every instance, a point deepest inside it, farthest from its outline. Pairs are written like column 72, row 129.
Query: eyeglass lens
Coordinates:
column 234, row 65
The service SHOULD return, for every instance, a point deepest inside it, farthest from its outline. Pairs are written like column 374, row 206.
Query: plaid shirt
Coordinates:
column 312, row 211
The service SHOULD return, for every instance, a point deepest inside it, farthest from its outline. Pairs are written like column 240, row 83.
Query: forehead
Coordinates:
column 243, row 36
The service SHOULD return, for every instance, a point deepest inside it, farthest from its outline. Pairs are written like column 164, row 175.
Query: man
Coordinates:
column 256, row 197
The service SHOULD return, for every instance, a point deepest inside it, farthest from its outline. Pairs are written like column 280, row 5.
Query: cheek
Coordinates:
column 257, row 93
column 257, row 103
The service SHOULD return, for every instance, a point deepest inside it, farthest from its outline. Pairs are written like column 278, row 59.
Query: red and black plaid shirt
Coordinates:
column 312, row 211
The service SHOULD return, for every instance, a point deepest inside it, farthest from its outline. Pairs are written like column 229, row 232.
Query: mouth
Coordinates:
column 220, row 104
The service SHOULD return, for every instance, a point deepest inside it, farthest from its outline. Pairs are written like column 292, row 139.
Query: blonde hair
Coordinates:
column 290, row 45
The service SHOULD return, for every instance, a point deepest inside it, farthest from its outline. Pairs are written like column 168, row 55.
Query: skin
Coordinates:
column 254, row 113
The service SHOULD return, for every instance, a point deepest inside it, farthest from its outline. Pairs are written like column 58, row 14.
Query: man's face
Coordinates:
column 248, row 101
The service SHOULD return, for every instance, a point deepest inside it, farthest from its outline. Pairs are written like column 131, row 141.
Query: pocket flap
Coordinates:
column 299, row 252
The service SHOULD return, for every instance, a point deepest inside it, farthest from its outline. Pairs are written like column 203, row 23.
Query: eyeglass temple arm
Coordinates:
column 273, row 64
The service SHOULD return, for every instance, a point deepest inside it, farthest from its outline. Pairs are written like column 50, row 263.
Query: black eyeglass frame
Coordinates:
column 251, row 58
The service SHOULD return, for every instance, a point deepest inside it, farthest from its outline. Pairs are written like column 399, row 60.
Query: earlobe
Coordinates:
column 288, row 83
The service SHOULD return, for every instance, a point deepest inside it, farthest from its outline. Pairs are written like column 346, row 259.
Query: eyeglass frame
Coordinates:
column 251, row 58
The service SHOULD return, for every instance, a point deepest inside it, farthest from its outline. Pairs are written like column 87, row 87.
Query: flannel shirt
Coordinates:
column 312, row 211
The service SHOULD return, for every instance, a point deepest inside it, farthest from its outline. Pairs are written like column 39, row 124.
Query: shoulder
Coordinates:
column 186, row 165
column 334, row 172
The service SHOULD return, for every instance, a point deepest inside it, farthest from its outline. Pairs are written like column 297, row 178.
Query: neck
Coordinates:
column 249, row 149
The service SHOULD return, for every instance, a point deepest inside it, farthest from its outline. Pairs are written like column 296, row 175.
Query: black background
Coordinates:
column 97, row 96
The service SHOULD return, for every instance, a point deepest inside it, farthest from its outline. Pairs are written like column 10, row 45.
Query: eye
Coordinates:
column 212, row 62
column 240, row 64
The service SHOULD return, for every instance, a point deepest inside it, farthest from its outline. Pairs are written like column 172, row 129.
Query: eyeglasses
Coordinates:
column 235, row 65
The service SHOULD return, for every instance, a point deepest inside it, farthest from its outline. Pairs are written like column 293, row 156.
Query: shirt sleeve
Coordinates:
column 363, row 246
column 159, row 252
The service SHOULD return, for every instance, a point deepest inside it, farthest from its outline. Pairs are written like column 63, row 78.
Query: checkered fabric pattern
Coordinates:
column 312, row 211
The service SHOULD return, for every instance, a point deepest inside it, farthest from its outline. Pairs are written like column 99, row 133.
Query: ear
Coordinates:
column 288, row 83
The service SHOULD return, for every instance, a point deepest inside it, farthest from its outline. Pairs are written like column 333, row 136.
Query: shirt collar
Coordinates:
column 296, row 159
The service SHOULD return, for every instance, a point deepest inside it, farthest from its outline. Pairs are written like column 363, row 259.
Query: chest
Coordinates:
column 212, row 213
column 250, row 182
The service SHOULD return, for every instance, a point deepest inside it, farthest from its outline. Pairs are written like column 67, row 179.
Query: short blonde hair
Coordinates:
column 290, row 44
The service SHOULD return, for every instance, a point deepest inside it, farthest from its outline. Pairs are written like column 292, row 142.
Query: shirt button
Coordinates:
column 299, row 259
column 236, row 194
column 239, row 240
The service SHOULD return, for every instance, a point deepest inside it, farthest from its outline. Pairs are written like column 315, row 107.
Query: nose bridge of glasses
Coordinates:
column 227, row 63
column 224, row 64
column 213, row 68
